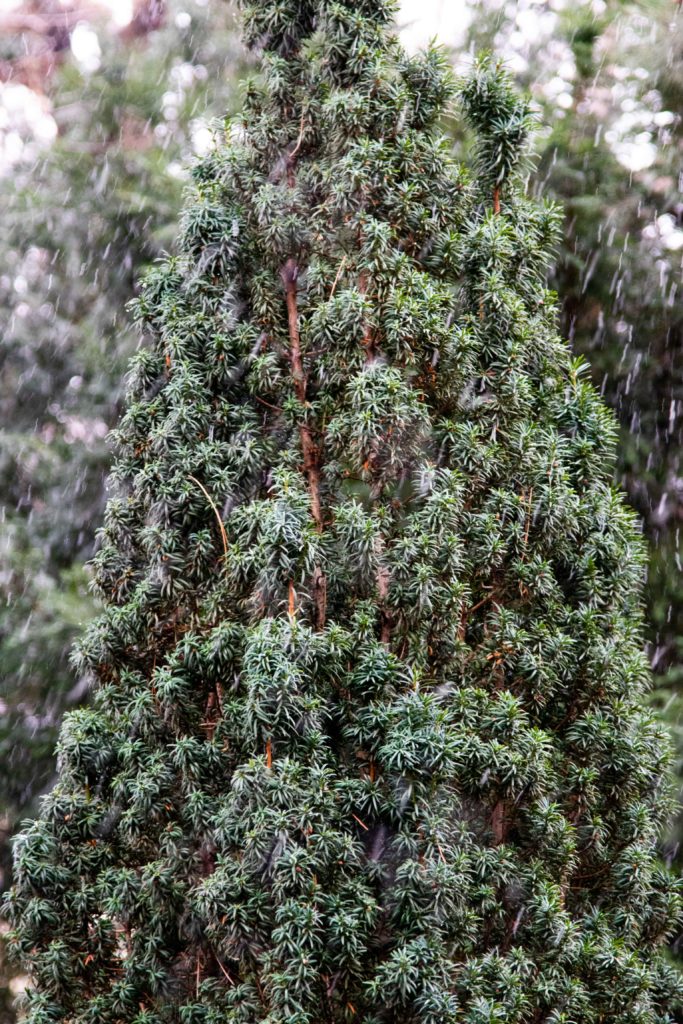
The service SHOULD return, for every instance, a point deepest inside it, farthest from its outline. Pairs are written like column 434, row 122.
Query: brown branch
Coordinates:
column 368, row 336
column 500, row 822
column 209, row 722
column 383, row 580
column 528, row 522
column 527, row 527
column 496, row 200
column 468, row 612
column 289, row 274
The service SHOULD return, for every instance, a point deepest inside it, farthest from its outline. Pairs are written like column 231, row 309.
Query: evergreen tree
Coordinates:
column 369, row 739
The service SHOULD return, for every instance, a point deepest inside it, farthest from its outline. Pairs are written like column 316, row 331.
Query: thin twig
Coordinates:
column 275, row 408
column 529, row 515
column 480, row 604
column 300, row 139
column 231, row 980
column 338, row 277
column 213, row 505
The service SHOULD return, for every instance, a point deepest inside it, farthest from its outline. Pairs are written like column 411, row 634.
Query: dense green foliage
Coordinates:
column 368, row 741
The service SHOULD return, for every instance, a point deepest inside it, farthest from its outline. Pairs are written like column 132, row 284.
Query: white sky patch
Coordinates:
column 674, row 241
column 85, row 47
column 121, row 11
column 26, row 124
column 203, row 139
column 533, row 25
column 635, row 154
column 665, row 229
column 420, row 21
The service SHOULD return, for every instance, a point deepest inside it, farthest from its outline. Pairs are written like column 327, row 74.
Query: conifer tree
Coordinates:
column 369, row 740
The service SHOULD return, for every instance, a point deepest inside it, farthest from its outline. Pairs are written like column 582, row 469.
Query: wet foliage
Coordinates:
column 369, row 736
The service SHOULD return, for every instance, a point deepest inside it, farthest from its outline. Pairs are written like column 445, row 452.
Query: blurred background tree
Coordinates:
column 100, row 125
column 101, row 111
